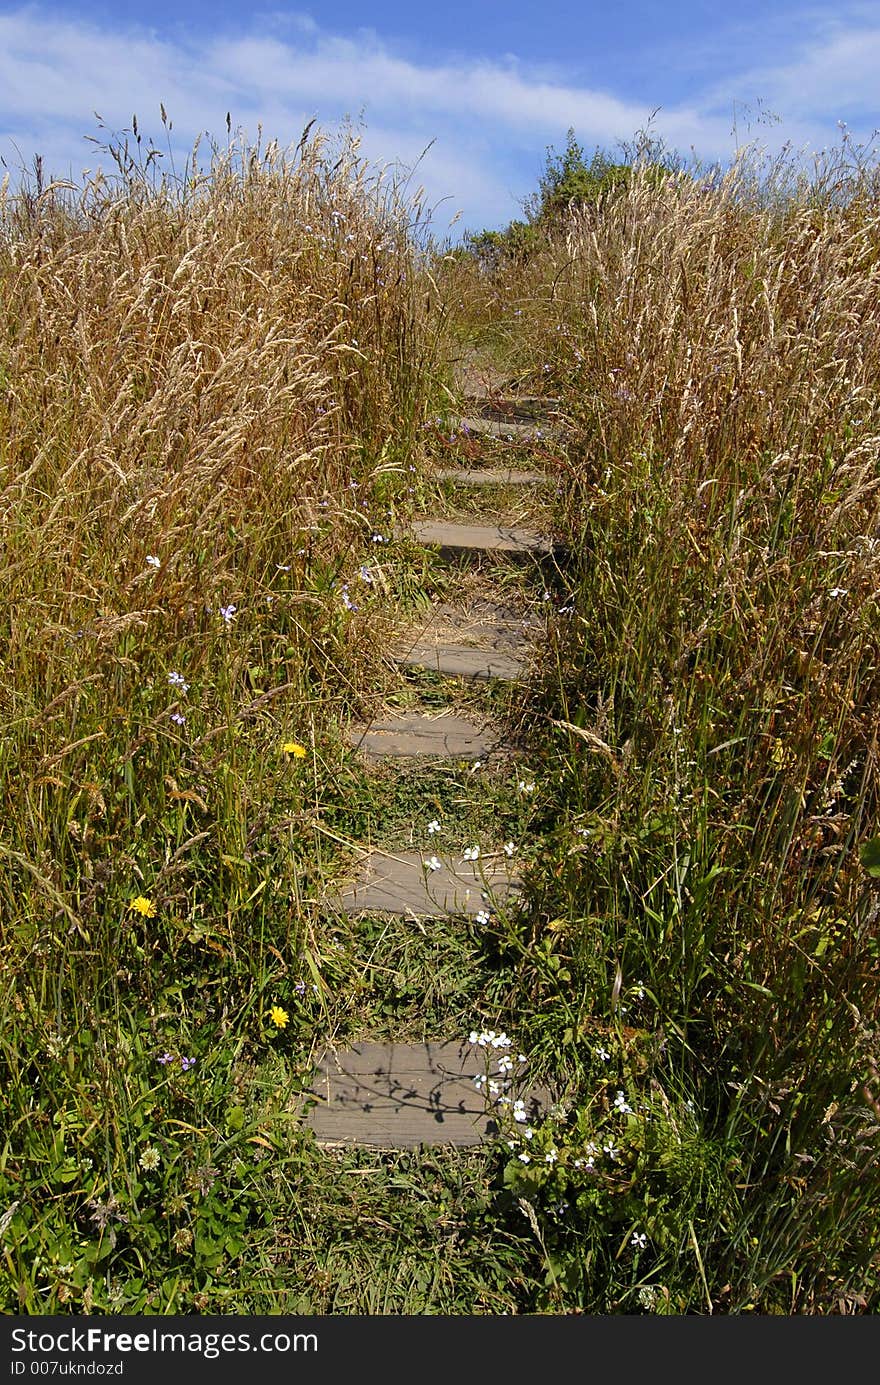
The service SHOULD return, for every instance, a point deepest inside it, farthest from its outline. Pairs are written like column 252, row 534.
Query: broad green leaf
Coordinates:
column 869, row 855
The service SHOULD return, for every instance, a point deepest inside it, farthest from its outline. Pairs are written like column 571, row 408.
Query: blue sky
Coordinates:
column 488, row 84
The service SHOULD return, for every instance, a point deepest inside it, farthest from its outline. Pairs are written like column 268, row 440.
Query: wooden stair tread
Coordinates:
column 402, row 883
column 461, row 661
column 506, row 429
column 520, row 405
column 411, row 734
column 476, row 638
column 400, row 1096
column 479, row 538
column 496, row 476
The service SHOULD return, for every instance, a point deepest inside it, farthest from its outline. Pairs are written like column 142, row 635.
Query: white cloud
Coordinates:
column 490, row 120
column 832, row 73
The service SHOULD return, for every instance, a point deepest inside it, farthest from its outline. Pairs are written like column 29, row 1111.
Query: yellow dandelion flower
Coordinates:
column 295, row 749
column 278, row 1016
column 143, row 906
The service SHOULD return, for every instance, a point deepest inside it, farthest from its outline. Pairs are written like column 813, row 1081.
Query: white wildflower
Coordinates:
column 489, row 1038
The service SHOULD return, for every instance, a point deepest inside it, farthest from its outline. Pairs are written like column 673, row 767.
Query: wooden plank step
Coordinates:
column 506, row 429
column 523, row 405
column 479, row 538
column 412, row 733
column 523, row 408
column 461, row 661
column 474, row 638
column 497, row 476
column 400, row 1096
column 499, row 622
column 404, row 884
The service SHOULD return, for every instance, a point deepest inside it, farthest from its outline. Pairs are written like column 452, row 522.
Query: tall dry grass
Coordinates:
column 715, row 342
column 188, row 363
column 210, row 372
column 210, row 386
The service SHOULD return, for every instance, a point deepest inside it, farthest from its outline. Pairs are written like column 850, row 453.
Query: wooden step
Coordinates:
column 480, row 538
column 519, row 408
column 527, row 406
column 497, row 476
column 404, row 884
column 474, row 638
column 412, row 734
column 462, row 661
column 506, row 429
column 400, row 1096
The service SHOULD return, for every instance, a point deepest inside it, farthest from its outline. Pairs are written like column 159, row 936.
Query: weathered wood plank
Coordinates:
column 479, row 538
column 403, row 884
column 400, row 1096
column 521, row 406
column 506, row 429
column 461, row 660
column 412, row 734
column 496, row 476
